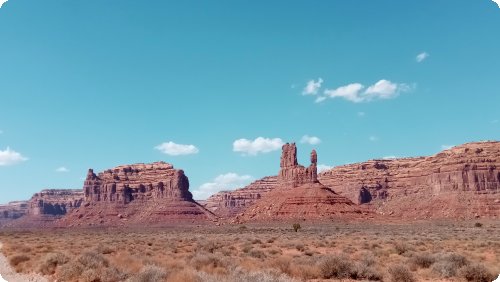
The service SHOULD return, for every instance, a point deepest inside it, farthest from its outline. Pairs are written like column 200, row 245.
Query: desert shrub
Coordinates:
column 337, row 266
column 448, row 264
column 476, row 273
column 401, row 247
column 149, row 274
column 104, row 249
column 300, row 247
column 258, row 276
column 17, row 259
column 210, row 246
column 478, row 224
column 400, row 273
column 49, row 263
column 424, row 260
column 370, row 273
column 92, row 260
column 257, row 254
column 201, row 260
column 296, row 227
column 69, row 271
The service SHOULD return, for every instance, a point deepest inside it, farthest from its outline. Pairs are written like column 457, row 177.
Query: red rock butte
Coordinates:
column 153, row 193
column 299, row 195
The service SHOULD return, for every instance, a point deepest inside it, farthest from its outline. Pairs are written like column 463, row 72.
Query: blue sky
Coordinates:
column 96, row 84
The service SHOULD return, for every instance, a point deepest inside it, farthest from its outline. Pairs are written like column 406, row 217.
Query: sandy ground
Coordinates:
column 8, row 274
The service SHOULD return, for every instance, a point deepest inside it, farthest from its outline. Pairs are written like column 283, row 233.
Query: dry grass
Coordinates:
column 445, row 251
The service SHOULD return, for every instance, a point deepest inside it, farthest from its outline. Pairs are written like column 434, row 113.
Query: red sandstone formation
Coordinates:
column 230, row 203
column 462, row 182
column 12, row 211
column 299, row 195
column 55, row 202
column 137, row 194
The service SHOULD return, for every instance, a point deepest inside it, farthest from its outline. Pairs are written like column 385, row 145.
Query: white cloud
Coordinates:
column 350, row 92
column 373, row 138
column 11, row 157
column 311, row 140
column 422, row 56
column 447, row 147
column 383, row 89
column 323, row 167
column 498, row 3
column 223, row 182
column 312, row 87
column 389, row 158
column 62, row 169
column 320, row 99
column 173, row 149
column 259, row 145
column 2, row 2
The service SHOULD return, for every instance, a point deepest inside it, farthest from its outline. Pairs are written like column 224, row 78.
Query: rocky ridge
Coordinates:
column 462, row 182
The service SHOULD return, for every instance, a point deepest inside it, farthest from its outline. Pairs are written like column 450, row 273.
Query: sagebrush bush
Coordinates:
column 476, row 273
column 17, row 259
column 400, row 273
column 50, row 262
column 149, row 274
column 423, row 260
column 448, row 264
column 337, row 266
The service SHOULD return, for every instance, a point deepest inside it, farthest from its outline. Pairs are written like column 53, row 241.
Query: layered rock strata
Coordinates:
column 137, row 194
column 230, row 203
column 462, row 182
column 12, row 211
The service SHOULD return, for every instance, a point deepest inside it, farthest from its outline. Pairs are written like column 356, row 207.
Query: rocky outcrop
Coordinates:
column 137, row 194
column 55, row 202
column 12, row 211
column 292, row 174
column 462, row 182
column 230, row 203
column 298, row 195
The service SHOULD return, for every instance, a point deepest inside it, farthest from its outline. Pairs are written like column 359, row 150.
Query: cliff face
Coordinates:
column 12, row 211
column 230, row 203
column 56, row 202
column 461, row 182
column 137, row 194
column 140, row 182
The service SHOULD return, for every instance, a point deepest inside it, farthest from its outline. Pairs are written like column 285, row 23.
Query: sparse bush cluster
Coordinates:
column 255, row 253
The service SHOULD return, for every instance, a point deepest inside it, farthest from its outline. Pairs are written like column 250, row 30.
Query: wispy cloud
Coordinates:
column 447, row 147
column 173, row 149
column 312, row 140
column 421, row 57
column 361, row 114
column 223, row 182
column 495, row 120
column 323, row 167
column 389, row 158
column 259, row 145
column 62, row 169
column 312, row 87
column 1, row 131
column 357, row 93
column 373, row 138
column 10, row 157
column 2, row 2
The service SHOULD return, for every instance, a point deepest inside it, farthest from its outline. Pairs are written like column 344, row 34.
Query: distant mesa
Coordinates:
column 137, row 194
column 459, row 183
